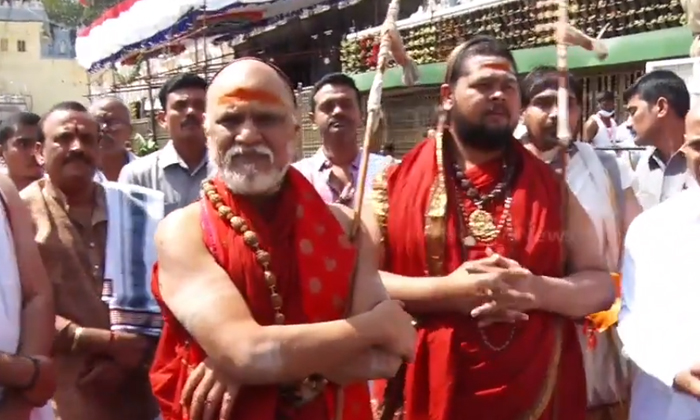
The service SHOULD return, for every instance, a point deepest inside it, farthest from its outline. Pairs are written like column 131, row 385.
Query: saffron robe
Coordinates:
column 313, row 261
column 539, row 375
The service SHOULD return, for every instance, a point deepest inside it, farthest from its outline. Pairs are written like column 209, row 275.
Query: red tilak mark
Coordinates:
column 243, row 95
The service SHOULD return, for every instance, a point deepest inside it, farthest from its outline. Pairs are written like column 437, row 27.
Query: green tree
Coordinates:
column 73, row 14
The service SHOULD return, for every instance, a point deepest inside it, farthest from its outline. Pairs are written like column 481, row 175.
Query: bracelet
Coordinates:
column 35, row 374
column 76, row 338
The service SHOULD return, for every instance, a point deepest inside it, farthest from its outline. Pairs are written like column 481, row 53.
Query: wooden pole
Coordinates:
column 152, row 101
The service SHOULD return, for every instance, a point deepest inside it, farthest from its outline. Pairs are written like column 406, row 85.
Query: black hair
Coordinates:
column 67, row 106
column 63, row 106
column 10, row 125
column 547, row 77
column 662, row 84
column 181, row 81
column 480, row 45
column 337, row 79
column 605, row 96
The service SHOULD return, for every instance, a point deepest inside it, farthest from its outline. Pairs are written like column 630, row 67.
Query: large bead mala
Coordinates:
column 313, row 386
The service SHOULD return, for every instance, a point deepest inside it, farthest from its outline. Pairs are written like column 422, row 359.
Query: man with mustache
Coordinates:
column 493, row 257
column 115, row 121
column 265, row 298
column 20, row 144
column 605, row 191
column 334, row 168
column 178, row 169
column 102, row 341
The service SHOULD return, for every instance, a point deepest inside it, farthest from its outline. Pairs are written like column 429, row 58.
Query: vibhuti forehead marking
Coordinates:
column 246, row 95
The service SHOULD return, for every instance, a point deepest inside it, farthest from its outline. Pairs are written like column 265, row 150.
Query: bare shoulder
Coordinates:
column 180, row 229
column 345, row 216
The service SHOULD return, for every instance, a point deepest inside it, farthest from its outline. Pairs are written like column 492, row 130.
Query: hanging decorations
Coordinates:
column 515, row 22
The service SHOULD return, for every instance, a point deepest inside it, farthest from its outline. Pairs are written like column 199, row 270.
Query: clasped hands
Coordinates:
column 494, row 289
column 106, row 372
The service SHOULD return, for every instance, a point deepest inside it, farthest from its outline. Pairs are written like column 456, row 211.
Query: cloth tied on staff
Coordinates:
column 133, row 215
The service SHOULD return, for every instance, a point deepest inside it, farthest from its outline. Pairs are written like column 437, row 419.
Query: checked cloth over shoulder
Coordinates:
column 133, row 215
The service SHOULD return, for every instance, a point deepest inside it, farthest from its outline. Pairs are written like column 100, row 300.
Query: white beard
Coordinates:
column 248, row 180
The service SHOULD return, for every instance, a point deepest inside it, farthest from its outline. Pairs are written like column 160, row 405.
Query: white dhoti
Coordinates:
column 11, row 302
column 607, row 372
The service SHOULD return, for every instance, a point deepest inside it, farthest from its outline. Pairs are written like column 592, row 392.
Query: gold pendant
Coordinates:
column 482, row 226
column 469, row 241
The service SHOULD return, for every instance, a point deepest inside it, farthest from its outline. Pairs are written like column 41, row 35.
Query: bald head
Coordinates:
column 251, row 126
column 115, row 119
column 107, row 102
column 254, row 80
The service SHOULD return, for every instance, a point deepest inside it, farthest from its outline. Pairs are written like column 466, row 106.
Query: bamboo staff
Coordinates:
column 566, row 35
column 390, row 46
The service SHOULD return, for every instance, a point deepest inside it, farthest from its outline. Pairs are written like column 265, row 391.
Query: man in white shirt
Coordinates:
column 659, row 300
column 599, row 130
column 658, row 103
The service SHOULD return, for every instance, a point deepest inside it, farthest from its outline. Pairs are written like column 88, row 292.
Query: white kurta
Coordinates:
column 588, row 179
column 11, row 302
column 660, row 290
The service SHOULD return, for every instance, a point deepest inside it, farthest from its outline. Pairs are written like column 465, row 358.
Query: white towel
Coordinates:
column 590, row 182
column 133, row 215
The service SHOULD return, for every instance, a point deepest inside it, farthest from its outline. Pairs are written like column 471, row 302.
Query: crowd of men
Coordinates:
column 216, row 278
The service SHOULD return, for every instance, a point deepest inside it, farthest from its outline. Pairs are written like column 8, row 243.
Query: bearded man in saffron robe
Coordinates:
column 494, row 257
column 266, row 313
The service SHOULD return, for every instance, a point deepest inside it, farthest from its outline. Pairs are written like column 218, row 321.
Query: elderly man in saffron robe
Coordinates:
column 258, row 282
column 494, row 257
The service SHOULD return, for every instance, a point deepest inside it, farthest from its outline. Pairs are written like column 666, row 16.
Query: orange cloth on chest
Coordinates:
column 313, row 262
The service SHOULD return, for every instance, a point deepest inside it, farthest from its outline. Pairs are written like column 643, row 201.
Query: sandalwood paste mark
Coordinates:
column 245, row 95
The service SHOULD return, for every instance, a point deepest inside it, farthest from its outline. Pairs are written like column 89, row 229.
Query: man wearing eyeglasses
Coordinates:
column 115, row 122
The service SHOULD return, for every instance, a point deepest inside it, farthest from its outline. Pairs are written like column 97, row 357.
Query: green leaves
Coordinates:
column 71, row 13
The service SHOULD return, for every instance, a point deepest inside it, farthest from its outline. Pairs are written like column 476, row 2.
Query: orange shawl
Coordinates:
column 455, row 375
column 313, row 262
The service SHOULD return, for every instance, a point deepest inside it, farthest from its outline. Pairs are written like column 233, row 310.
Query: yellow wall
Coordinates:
column 47, row 81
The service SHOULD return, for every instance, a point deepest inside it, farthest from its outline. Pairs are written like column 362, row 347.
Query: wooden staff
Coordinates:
column 390, row 46
column 565, row 36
